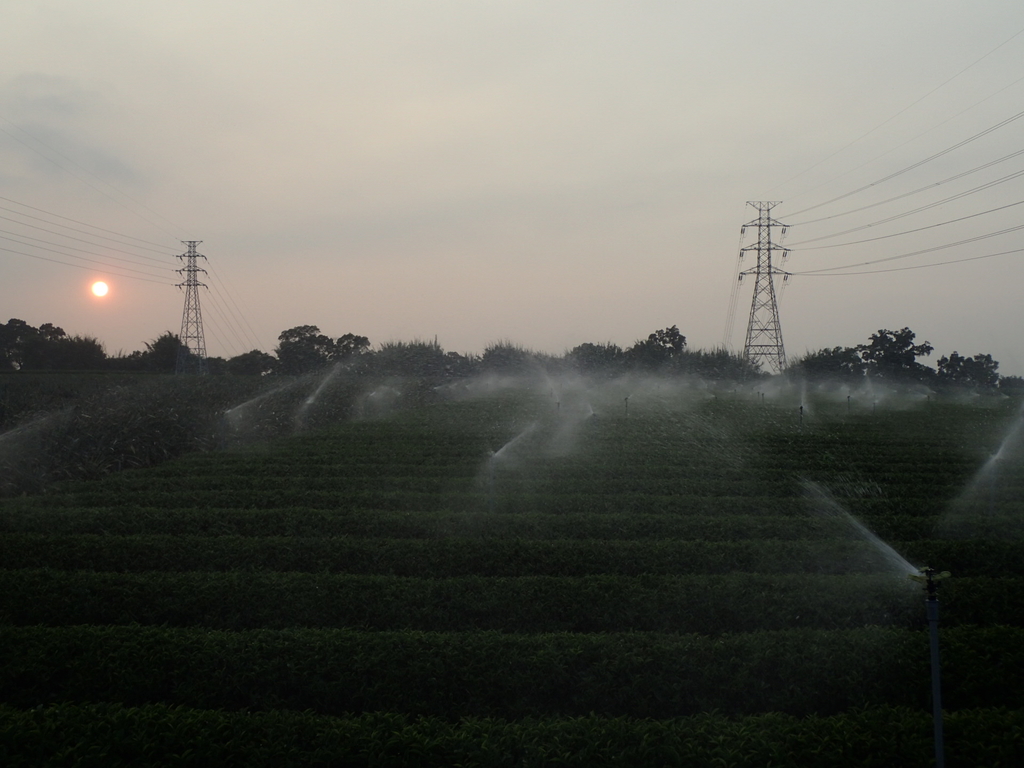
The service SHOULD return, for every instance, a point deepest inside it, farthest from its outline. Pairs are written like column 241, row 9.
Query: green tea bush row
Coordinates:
column 489, row 674
column 775, row 521
column 706, row 604
column 101, row 495
column 161, row 735
column 441, row 558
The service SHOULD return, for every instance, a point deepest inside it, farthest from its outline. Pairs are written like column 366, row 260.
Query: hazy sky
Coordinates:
column 545, row 172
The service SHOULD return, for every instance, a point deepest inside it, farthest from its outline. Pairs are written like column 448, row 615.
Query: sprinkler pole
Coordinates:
column 992, row 486
column 930, row 578
column 490, row 483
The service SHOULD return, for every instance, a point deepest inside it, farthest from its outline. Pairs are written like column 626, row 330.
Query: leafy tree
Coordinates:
column 977, row 371
column 842, row 363
column 217, row 366
column 11, row 335
column 161, row 355
column 1011, row 383
column 593, row 359
column 460, row 366
column 350, row 345
column 47, row 348
column 893, row 355
column 39, row 347
column 410, row 358
column 254, row 363
column 658, row 349
column 303, row 349
column 717, row 364
column 80, row 353
column 507, row 357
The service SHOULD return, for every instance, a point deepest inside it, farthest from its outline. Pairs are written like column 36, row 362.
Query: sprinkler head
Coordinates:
column 930, row 578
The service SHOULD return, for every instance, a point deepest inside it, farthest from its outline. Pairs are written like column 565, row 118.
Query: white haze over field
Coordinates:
column 549, row 173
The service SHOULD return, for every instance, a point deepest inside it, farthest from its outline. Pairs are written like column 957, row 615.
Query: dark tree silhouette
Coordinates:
column 893, row 355
column 658, row 349
column 47, row 348
column 254, row 363
column 161, row 355
column 840, row 363
column 592, row 359
column 977, row 371
column 303, row 349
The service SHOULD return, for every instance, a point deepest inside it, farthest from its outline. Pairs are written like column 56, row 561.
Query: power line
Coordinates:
column 946, row 180
column 918, row 164
column 254, row 337
column 74, row 248
column 73, row 229
column 906, row 108
column 909, row 231
column 919, row 209
column 80, row 266
column 76, row 221
column 84, row 181
column 81, row 258
column 916, row 253
column 219, row 314
column 905, row 269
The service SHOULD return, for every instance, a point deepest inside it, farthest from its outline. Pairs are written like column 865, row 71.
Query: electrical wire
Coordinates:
column 254, row 339
column 213, row 318
column 916, row 253
column 76, row 221
column 905, row 269
column 217, row 301
column 81, row 258
column 74, row 248
column 959, row 195
column 914, row 191
column 918, row 164
column 81, row 266
column 906, row 108
column 85, row 181
column 911, row 231
column 73, row 229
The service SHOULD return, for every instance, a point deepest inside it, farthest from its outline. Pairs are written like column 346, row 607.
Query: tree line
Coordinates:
column 892, row 356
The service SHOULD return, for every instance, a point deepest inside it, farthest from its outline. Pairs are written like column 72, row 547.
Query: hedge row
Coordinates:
column 706, row 604
column 97, row 495
column 113, row 735
column 491, row 557
column 775, row 521
column 800, row 672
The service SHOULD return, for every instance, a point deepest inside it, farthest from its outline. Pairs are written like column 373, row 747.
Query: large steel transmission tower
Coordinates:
column 192, row 352
column 764, row 333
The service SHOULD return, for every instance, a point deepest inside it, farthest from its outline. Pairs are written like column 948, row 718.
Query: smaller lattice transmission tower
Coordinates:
column 764, row 332
column 192, row 352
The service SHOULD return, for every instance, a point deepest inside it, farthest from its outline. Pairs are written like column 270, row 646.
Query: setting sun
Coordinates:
column 100, row 289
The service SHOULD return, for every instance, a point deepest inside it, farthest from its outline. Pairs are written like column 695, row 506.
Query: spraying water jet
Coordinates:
column 300, row 415
column 501, row 455
column 828, row 506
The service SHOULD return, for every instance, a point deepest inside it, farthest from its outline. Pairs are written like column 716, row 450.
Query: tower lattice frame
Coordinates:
column 763, row 344
column 192, row 352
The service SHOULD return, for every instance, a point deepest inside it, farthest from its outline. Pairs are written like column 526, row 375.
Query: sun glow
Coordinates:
column 100, row 288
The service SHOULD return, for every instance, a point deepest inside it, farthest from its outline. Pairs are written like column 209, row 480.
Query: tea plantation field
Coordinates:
column 525, row 576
